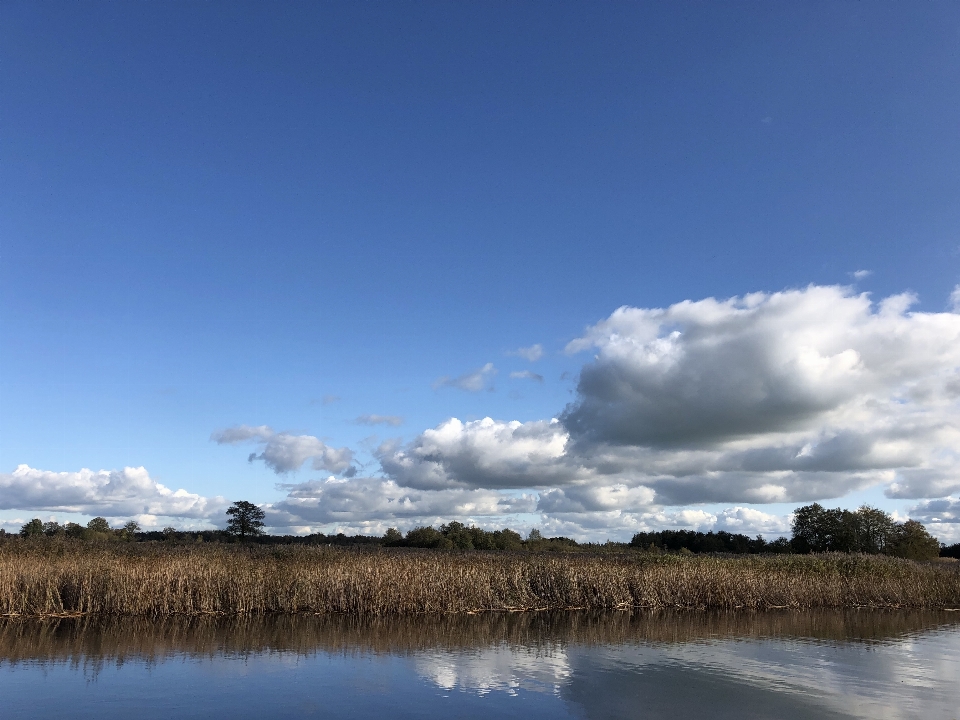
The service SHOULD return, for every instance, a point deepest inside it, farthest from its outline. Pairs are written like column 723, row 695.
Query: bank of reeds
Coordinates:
column 156, row 580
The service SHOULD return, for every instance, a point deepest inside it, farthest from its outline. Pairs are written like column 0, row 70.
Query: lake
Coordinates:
column 853, row 664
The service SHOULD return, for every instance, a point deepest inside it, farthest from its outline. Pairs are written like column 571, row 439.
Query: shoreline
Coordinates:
column 73, row 580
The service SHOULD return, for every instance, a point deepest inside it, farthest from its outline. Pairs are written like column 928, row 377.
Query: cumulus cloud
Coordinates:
column 861, row 274
column 283, row 452
column 392, row 420
column 480, row 454
column 111, row 493
column 382, row 502
column 471, row 382
column 941, row 517
column 794, row 396
column 531, row 354
column 785, row 397
column 526, row 375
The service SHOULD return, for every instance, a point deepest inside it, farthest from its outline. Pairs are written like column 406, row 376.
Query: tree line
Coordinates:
column 815, row 529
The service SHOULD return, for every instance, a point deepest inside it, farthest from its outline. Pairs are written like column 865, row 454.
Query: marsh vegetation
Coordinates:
column 156, row 579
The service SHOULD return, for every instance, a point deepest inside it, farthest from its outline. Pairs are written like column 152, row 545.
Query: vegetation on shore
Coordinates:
column 815, row 529
column 156, row 580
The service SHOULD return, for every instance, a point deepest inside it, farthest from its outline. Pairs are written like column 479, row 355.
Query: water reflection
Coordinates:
column 605, row 665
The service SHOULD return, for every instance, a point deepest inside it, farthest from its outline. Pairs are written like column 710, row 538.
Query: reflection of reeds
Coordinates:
column 105, row 639
column 158, row 580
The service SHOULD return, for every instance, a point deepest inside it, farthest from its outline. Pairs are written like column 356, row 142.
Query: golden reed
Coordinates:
column 156, row 580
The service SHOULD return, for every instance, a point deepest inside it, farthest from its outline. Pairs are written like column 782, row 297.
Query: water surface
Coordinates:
column 551, row 665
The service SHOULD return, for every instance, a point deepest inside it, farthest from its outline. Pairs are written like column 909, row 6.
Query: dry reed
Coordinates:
column 64, row 578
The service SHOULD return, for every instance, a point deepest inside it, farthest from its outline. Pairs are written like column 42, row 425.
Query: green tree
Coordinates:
column 911, row 540
column 129, row 530
column 34, row 528
column 392, row 537
column 425, row 537
column 246, row 520
column 53, row 529
column 98, row 525
column 874, row 529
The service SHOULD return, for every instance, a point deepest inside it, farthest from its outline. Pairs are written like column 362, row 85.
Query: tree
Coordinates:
column 392, row 537
column 98, row 525
column 34, row 528
column 129, row 530
column 874, row 529
column 246, row 519
column 911, row 540
column 53, row 529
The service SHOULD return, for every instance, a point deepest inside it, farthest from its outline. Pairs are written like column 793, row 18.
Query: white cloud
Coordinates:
column 471, row 382
column 955, row 299
column 861, row 274
column 481, row 454
column 787, row 397
column 283, row 452
column 111, row 493
column 532, row 353
column 526, row 375
column 392, row 420
column 359, row 502
column 941, row 518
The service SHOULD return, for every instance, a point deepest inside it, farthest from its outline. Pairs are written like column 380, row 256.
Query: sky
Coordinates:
column 593, row 269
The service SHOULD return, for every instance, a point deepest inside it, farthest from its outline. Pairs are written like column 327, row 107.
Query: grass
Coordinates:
column 60, row 578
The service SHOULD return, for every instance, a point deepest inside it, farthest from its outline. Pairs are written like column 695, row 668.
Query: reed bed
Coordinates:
column 155, row 580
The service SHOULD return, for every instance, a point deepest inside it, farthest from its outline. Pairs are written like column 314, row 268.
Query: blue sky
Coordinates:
column 232, row 214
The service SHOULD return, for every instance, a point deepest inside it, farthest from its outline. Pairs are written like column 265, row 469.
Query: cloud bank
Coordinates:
column 130, row 492
column 788, row 397
column 794, row 396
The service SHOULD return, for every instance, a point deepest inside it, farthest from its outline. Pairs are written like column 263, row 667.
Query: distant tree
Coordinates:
column 534, row 535
column 868, row 530
column 911, row 540
column 392, row 537
column 53, row 529
column 129, row 530
column 98, row 525
column 34, row 528
column 73, row 530
column 874, row 529
column 246, row 520
column 424, row 537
